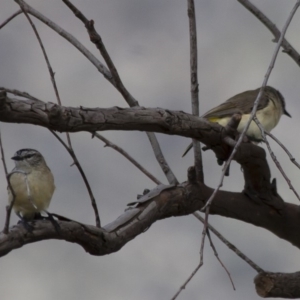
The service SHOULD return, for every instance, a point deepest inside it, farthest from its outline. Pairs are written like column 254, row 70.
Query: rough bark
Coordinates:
column 75, row 119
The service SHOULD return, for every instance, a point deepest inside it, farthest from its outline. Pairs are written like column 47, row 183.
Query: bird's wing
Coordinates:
column 223, row 110
column 241, row 103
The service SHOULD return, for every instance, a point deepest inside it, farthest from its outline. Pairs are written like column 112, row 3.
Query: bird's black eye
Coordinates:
column 28, row 156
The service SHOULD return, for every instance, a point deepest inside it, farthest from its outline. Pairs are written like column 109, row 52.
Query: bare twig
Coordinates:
column 188, row 280
column 161, row 159
column 97, row 40
column 256, row 103
column 72, row 153
column 288, row 48
column 218, row 258
column 70, row 38
column 8, row 207
column 201, row 258
column 19, row 93
column 194, row 85
column 10, row 18
column 230, row 245
column 51, row 72
column 125, row 154
column 205, row 224
column 117, row 82
column 275, row 159
column 44, row 53
column 88, row 187
column 2, row 156
column 292, row 158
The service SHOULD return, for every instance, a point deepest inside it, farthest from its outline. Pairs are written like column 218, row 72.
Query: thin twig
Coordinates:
column 8, row 207
column 218, row 258
column 194, row 85
column 230, row 245
column 125, row 154
column 10, row 18
column 70, row 38
column 288, row 48
column 52, row 74
column 19, row 93
column 3, row 157
column 117, row 82
column 188, row 280
column 275, row 159
column 73, row 155
column 292, row 158
column 76, row 162
column 161, row 159
column 97, row 40
column 205, row 224
column 256, row 103
column 200, row 262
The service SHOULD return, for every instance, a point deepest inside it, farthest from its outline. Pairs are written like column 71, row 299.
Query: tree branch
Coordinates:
column 277, row 285
column 288, row 48
column 194, row 84
column 72, row 119
column 10, row 18
column 173, row 201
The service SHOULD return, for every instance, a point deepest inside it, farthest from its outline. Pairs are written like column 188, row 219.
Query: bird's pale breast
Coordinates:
column 34, row 196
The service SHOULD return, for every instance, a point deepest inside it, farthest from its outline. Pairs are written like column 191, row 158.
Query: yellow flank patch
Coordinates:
column 213, row 119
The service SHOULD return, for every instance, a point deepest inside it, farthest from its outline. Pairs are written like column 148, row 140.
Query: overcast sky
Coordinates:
column 148, row 41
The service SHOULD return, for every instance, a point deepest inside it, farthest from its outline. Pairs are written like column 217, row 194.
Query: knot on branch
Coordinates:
column 63, row 117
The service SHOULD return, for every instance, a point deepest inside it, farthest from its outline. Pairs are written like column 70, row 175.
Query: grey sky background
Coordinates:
column 148, row 41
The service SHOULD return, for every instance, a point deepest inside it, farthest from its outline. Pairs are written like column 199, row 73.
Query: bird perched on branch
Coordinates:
column 31, row 185
column 271, row 107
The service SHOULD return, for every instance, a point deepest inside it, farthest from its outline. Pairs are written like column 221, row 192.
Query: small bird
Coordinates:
column 32, row 185
column 271, row 107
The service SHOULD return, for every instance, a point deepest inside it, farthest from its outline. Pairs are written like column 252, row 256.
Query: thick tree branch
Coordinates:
column 72, row 119
column 173, row 201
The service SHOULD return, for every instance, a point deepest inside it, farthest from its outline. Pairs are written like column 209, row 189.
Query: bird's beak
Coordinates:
column 16, row 157
column 286, row 113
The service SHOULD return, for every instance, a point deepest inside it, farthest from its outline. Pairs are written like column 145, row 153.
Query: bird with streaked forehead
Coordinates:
column 31, row 185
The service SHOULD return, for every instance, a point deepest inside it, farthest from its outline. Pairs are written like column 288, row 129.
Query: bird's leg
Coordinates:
column 53, row 221
column 38, row 216
column 25, row 223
